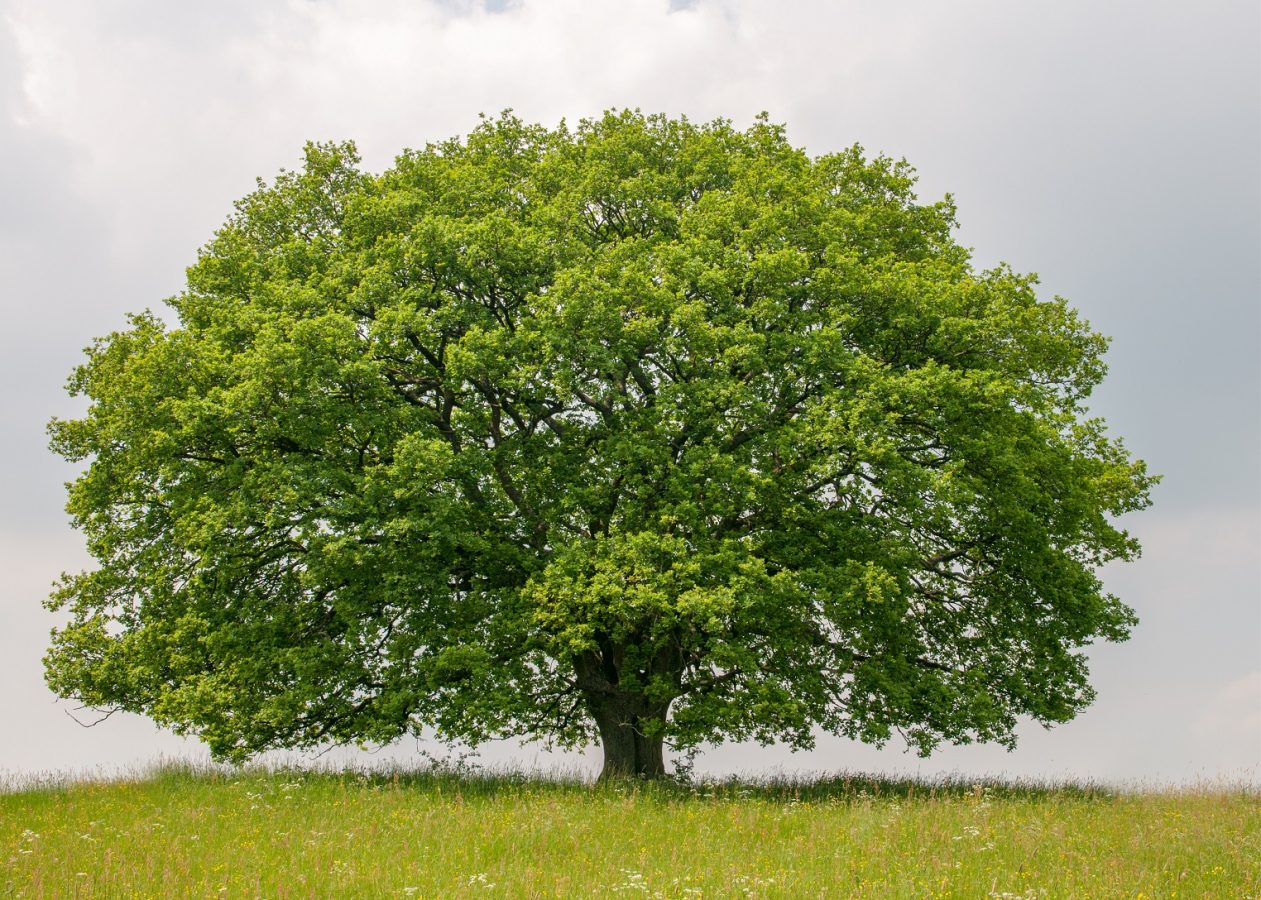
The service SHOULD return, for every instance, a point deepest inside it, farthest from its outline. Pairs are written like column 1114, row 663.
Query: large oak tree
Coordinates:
column 641, row 431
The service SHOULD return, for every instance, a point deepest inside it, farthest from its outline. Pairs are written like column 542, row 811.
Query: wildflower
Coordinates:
column 632, row 881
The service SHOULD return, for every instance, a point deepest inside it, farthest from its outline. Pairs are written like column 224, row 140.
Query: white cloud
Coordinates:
column 171, row 121
column 1233, row 713
column 1229, row 725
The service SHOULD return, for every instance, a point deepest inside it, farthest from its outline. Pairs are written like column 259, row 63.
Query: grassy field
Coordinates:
column 281, row 834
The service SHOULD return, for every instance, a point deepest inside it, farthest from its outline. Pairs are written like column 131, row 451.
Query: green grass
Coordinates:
column 182, row 832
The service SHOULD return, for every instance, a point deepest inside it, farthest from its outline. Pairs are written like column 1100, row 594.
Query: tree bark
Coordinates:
column 629, row 751
column 629, row 722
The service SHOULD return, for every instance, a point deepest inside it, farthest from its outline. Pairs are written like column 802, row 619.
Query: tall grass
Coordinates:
column 288, row 833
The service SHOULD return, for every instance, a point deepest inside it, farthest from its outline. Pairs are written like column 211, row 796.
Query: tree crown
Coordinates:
column 642, row 424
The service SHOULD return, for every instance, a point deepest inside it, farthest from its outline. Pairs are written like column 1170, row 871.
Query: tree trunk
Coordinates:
column 628, row 751
column 629, row 722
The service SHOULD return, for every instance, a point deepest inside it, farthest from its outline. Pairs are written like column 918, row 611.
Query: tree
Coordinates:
column 645, row 430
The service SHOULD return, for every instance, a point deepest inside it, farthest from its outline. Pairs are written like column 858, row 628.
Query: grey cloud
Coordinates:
column 1109, row 147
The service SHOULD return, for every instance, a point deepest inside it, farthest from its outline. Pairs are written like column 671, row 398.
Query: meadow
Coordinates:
column 184, row 832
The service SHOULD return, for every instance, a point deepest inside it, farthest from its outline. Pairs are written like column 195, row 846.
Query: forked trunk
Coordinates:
column 630, row 724
column 629, row 751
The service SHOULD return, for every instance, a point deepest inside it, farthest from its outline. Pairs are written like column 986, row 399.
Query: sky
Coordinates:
column 1113, row 148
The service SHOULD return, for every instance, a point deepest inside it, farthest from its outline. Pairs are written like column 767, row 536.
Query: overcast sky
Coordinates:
column 1114, row 148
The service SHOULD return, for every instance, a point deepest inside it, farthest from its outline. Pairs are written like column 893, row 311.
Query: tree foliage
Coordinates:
column 644, row 430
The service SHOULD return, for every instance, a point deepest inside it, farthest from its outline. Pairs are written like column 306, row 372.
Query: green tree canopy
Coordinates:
column 639, row 431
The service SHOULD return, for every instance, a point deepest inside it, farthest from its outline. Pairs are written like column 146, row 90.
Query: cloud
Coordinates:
column 172, row 114
column 1231, row 722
